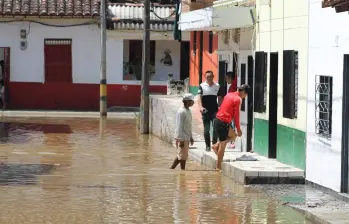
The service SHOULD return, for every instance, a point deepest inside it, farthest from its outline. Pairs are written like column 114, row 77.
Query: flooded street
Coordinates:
column 81, row 171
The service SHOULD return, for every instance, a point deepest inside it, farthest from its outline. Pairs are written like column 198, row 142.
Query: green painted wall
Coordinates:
column 290, row 143
column 291, row 146
column 261, row 130
column 193, row 90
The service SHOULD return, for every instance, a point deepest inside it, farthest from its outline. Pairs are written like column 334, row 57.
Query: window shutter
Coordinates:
column 289, row 84
column 243, row 81
column 260, row 70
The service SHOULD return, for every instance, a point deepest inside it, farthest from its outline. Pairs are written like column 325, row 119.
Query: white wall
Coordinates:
column 28, row 65
column 285, row 27
column 161, row 70
column 328, row 41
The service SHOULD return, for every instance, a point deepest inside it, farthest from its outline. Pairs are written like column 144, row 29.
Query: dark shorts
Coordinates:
column 222, row 129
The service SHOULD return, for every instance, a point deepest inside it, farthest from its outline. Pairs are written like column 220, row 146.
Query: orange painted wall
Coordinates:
column 209, row 61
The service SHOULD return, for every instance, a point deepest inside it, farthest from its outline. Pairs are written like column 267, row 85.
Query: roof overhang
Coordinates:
column 339, row 5
column 219, row 17
column 197, row 20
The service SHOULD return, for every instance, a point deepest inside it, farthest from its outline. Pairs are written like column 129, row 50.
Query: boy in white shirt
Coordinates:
column 183, row 135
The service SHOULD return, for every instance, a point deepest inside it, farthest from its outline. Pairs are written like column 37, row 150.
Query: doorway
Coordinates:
column 345, row 128
column 250, row 82
column 222, row 70
column 185, row 60
column 4, row 76
column 273, row 103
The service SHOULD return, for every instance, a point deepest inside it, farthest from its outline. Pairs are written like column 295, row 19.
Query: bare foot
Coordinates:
column 215, row 148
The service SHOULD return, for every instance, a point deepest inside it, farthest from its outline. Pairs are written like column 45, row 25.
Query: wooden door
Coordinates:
column 58, row 61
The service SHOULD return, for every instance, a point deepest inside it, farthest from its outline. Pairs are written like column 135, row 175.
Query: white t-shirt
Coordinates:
column 183, row 124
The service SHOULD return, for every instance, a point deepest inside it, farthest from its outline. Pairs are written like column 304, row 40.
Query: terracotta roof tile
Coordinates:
column 49, row 7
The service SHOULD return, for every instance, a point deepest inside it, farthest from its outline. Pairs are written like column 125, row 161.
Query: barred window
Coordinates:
column 58, row 41
column 323, row 105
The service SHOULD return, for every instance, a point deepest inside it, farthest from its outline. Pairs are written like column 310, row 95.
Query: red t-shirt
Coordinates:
column 230, row 109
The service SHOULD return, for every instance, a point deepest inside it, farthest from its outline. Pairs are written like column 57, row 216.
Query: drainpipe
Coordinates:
column 201, row 55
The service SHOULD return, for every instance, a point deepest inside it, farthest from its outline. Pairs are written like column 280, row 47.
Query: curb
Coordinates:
column 67, row 114
column 310, row 216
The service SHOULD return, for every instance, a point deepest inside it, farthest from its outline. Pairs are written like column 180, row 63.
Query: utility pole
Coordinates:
column 144, row 110
column 103, row 69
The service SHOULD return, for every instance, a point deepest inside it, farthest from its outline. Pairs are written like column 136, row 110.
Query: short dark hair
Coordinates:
column 230, row 74
column 209, row 71
column 244, row 87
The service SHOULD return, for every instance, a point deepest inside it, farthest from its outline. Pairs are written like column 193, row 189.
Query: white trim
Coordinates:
column 138, row 35
column 138, row 82
column 224, row 52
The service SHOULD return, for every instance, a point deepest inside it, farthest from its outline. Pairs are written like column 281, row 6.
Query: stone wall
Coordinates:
column 163, row 111
column 162, row 121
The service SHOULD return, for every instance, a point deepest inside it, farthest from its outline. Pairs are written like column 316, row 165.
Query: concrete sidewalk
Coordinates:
column 264, row 171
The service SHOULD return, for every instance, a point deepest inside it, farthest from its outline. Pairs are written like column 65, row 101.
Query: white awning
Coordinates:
column 197, row 20
column 216, row 18
column 226, row 17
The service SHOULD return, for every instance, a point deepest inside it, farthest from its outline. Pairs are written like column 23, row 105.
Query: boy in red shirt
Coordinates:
column 228, row 112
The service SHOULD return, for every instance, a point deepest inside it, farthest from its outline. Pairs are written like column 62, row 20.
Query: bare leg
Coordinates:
column 215, row 148
column 183, row 162
column 175, row 163
column 221, row 150
column 231, row 137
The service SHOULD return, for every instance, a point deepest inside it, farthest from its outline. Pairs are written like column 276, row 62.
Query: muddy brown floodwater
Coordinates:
column 83, row 171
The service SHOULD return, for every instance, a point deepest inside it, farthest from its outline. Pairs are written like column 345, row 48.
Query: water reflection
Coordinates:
column 103, row 171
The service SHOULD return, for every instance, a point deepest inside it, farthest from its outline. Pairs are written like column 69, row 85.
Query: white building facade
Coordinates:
column 59, row 65
column 281, row 56
column 328, row 97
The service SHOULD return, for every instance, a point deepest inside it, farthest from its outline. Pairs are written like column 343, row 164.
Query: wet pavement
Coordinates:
column 316, row 204
column 87, row 171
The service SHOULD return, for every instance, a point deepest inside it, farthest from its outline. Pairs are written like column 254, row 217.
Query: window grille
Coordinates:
column 323, row 105
column 58, row 41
